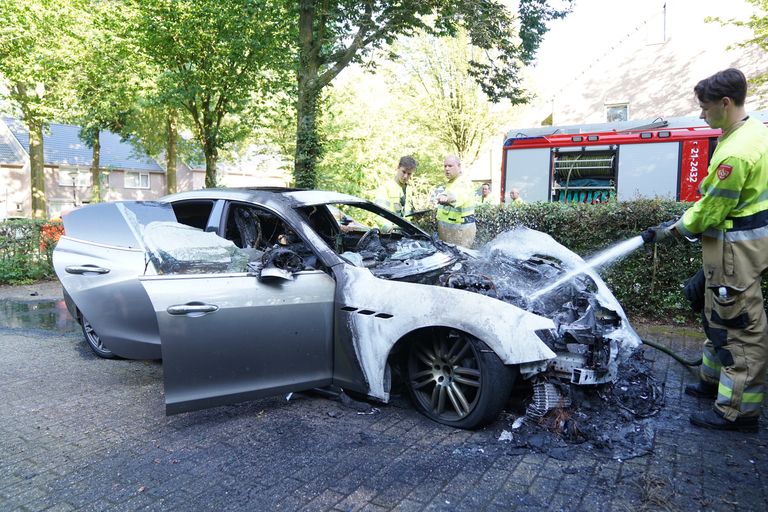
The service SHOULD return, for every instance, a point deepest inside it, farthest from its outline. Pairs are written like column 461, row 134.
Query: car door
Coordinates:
column 98, row 261
column 232, row 336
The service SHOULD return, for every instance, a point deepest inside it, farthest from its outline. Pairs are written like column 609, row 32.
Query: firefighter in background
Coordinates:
column 732, row 219
column 393, row 194
column 456, row 206
column 486, row 195
column 514, row 197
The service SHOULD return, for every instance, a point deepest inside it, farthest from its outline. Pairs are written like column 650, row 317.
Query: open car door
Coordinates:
column 229, row 336
column 99, row 260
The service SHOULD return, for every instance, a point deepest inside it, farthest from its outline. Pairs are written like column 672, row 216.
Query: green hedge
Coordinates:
column 25, row 250
column 647, row 282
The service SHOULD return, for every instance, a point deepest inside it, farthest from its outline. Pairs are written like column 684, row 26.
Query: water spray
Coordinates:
column 601, row 259
column 607, row 257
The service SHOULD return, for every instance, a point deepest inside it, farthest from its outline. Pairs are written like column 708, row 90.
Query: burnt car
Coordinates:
column 245, row 293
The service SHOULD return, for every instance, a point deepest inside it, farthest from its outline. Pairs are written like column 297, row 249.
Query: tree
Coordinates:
column 334, row 34
column 217, row 61
column 434, row 76
column 107, row 80
column 37, row 49
column 363, row 140
column 758, row 23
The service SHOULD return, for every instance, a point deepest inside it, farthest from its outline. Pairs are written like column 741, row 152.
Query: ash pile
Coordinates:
column 611, row 420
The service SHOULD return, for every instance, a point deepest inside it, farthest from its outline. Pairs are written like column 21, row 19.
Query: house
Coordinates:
column 638, row 59
column 126, row 172
column 630, row 60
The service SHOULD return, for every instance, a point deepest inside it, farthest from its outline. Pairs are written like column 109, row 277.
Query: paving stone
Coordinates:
column 81, row 433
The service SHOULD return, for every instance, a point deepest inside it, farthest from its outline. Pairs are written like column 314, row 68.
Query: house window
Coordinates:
column 136, row 180
column 72, row 176
column 617, row 112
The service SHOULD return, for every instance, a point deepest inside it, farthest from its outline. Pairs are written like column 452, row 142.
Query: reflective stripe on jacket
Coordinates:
column 736, row 186
column 463, row 206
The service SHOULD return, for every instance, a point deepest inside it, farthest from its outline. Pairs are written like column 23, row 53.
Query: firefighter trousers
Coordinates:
column 457, row 234
column 735, row 355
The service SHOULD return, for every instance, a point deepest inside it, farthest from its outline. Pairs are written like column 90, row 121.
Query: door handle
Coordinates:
column 85, row 269
column 192, row 309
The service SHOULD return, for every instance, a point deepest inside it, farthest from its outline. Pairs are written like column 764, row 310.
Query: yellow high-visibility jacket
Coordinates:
column 392, row 196
column 736, row 185
column 464, row 205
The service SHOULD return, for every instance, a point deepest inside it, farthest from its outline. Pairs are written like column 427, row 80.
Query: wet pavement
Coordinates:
column 45, row 314
column 82, row 433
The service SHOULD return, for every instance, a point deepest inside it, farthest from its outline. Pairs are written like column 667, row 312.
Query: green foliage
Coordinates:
column 25, row 251
column 647, row 282
column 102, row 101
column 758, row 24
column 219, row 61
column 331, row 35
column 38, row 47
column 363, row 140
column 432, row 77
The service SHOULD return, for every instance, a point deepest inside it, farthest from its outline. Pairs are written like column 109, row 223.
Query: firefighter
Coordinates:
column 514, row 197
column 732, row 219
column 456, row 206
column 486, row 196
column 393, row 194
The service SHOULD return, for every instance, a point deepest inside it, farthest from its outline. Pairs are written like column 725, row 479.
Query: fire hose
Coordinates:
column 672, row 354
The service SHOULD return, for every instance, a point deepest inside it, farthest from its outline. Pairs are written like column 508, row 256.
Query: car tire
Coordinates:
column 456, row 379
column 94, row 341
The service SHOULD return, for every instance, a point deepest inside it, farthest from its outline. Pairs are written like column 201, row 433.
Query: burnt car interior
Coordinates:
column 364, row 237
column 258, row 231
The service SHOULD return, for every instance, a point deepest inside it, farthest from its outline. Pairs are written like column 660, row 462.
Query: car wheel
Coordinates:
column 455, row 379
column 94, row 341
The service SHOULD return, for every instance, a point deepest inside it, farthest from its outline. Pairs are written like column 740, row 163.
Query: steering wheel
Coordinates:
column 365, row 239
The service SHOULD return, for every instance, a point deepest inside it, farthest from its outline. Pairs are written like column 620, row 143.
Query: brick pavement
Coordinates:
column 82, row 433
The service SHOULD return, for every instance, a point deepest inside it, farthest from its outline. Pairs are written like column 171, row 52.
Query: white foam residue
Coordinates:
column 523, row 243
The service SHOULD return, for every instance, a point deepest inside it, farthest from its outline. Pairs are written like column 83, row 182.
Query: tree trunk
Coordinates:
column 170, row 160
column 37, row 170
column 211, row 157
column 307, row 143
column 95, row 171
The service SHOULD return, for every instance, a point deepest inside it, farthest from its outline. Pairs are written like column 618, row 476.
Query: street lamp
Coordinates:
column 73, row 174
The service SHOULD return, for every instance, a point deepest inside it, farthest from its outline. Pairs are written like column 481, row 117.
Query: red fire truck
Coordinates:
column 626, row 160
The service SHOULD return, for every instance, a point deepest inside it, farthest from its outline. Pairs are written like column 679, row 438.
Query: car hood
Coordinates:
column 519, row 266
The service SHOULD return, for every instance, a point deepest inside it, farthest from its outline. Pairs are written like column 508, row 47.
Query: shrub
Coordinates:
column 26, row 247
column 647, row 282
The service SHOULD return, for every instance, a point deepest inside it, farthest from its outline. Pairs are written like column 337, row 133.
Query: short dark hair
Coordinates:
column 407, row 162
column 730, row 83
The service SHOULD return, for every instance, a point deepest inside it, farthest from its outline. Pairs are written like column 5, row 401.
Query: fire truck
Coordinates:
column 624, row 160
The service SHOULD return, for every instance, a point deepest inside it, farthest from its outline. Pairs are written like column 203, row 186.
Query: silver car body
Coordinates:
column 228, row 335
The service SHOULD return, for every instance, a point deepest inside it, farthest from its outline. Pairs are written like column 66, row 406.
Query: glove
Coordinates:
column 694, row 291
column 658, row 233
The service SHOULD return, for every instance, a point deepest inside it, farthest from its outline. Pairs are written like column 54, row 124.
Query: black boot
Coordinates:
column 714, row 420
column 701, row 389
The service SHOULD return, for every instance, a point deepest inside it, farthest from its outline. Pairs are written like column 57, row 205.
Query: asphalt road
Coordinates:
column 81, row 433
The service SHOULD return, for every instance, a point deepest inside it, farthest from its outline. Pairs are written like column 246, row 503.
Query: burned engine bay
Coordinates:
column 586, row 328
column 592, row 338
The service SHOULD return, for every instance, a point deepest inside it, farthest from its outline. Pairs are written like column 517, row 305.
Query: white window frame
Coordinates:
column 83, row 178
column 610, row 106
column 136, row 175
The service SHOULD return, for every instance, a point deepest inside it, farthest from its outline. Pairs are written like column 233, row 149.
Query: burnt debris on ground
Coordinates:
column 614, row 420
